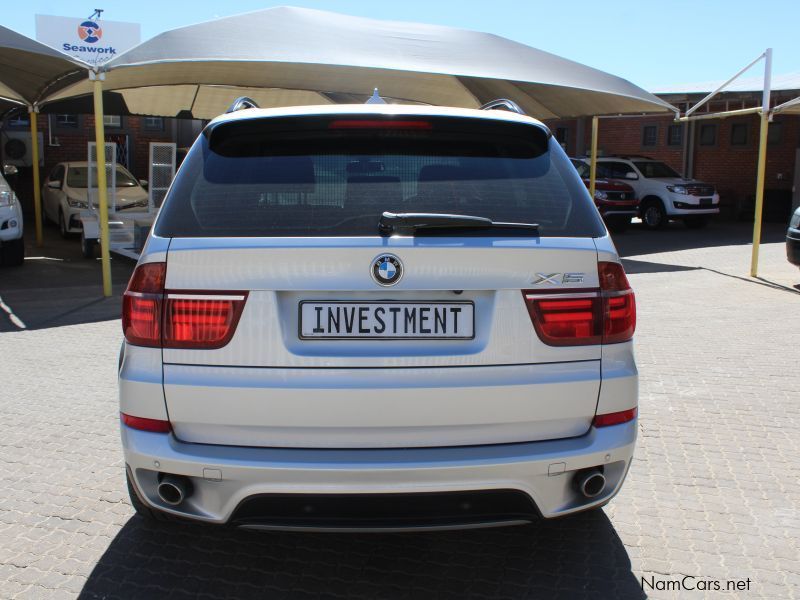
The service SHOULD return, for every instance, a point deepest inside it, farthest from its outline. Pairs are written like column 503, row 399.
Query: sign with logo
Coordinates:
column 94, row 41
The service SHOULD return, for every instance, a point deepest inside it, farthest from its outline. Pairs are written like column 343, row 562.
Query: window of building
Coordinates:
column 738, row 134
column 67, row 120
column 675, row 134
column 112, row 120
column 649, row 135
column 775, row 134
column 153, row 123
column 708, row 134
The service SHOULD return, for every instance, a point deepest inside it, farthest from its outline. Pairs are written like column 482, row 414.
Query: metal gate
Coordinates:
column 162, row 171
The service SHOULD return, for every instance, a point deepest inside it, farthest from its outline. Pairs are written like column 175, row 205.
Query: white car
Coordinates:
column 65, row 194
column 376, row 316
column 662, row 192
column 12, row 243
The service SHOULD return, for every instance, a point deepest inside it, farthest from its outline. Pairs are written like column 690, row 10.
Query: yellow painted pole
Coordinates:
column 762, row 167
column 593, row 162
column 762, row 160
column 102, row 186
column 37, row 190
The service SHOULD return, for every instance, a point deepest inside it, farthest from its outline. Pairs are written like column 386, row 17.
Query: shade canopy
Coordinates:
column 29, row 70
column 294, row 56
column 792, row 107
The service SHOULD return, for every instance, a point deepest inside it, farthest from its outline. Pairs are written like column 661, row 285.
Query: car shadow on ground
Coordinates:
column 576, row 557
column 676, row 236
column 57, row 286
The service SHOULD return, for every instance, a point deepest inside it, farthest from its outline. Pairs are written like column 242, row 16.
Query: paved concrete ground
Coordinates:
column 714, row 491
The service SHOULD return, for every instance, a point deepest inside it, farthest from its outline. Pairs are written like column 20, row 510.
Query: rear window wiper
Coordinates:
column 407, row 223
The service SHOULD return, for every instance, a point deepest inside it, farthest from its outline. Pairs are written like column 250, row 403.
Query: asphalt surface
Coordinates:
column 712, row 498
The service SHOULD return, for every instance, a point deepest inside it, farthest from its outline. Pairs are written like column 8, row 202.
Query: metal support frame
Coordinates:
column 102, row 186
column 765, row 117
column 768, row 53
column 33, row 111
column 762, row 162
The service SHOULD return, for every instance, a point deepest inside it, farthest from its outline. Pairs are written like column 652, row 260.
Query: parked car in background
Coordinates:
column 65, row 194
column 663, row 194
column 12, row 242
column 793, row 239
column 376, row 316
column 616, row 200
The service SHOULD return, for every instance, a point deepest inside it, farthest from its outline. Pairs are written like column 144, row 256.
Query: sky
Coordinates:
column 653, row 44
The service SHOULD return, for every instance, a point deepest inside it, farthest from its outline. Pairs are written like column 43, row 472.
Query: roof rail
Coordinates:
column 240, row 103
column 503, row 103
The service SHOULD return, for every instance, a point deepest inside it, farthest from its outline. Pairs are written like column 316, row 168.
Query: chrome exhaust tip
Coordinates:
column 590, row 482
column 174, row 489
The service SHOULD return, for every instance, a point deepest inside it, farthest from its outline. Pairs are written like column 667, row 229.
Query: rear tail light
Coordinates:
column 583, row 317
column 143, row 424
column 141, row 305
column 619, row 303
column 201, row 321
column 155, row 317
column 615, row 418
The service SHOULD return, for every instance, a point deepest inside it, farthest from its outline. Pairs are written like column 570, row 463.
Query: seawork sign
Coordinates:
column 94, row 41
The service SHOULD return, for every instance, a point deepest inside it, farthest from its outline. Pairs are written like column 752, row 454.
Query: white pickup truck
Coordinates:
column 664, row 194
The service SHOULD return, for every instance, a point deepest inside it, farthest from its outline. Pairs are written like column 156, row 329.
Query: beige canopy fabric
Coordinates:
column 30, row 70
column 300, row 56
column 792, row 107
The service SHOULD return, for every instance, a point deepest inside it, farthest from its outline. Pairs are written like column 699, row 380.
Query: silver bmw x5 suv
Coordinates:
column 377, row 317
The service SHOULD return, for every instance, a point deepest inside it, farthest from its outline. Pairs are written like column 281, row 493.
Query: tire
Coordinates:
column 62, row 225
column 141, row 508
column 653, row 214
column 87, row 246
column 695, row 222
column 618, row 224
column 12, row 253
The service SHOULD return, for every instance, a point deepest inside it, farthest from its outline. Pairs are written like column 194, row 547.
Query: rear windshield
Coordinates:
column 334, row 177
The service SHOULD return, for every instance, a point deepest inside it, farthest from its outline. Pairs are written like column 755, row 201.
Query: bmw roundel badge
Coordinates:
column 386, row 269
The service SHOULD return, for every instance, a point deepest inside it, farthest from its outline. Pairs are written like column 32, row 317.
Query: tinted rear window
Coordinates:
column 334, row 177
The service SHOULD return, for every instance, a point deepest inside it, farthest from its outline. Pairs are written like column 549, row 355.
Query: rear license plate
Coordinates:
column 387, row 320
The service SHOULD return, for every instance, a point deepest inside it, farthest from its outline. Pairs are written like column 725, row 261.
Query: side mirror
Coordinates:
column 631, row 175
column 54, row 185
column 10, row 170
column 144, row 183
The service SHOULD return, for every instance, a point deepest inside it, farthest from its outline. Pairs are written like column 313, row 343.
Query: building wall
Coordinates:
column 72, row 141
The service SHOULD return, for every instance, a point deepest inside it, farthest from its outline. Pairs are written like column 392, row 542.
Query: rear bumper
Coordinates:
column 223, row 477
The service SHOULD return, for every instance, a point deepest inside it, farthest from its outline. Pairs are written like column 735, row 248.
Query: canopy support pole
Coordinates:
column 762, row 162
column 33, row 111
column 593, row 162
column 102, row 185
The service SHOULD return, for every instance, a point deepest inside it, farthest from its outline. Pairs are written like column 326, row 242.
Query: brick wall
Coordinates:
column 72, row 141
